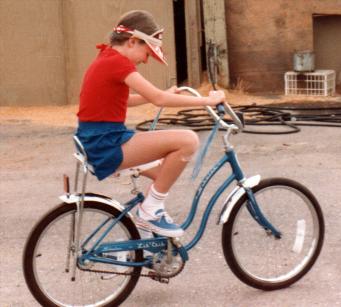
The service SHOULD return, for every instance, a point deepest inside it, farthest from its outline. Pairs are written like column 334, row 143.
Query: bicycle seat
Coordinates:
column 82, row 157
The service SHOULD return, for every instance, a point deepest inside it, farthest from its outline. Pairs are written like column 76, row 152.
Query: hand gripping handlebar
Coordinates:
column 238, row 125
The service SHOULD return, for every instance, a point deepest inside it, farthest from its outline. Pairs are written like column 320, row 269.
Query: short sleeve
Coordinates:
column 124, row 68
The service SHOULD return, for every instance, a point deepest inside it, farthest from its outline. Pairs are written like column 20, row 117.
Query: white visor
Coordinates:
column 152, row 41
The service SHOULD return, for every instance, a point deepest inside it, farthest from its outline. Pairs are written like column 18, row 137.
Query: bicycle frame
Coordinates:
column 159, row 244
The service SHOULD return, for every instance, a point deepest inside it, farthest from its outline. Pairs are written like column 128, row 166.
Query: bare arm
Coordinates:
column 167, row 99
column 136, row 100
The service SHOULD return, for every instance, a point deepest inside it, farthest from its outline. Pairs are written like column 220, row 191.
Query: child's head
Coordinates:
column 135, row 20
column 139, row 25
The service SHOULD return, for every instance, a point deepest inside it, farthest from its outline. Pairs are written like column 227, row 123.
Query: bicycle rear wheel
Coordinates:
column 258, row 258
column 48, row 249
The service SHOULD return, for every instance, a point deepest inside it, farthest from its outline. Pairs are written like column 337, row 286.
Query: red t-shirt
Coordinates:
column 104, row 94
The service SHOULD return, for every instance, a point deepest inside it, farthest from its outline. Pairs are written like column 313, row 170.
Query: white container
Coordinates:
column 317, row 83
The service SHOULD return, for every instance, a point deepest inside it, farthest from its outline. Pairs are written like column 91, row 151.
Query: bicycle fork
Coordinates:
column 258, row 216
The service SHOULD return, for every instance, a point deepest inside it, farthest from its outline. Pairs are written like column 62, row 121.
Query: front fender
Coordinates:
column 235, row 195
column 73, row 198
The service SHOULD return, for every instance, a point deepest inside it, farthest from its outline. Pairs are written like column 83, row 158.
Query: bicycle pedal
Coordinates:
column 163, row 280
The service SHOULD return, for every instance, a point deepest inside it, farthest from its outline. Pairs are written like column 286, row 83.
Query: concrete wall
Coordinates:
column 264, row 34
column 46, row 46
column 32, row 64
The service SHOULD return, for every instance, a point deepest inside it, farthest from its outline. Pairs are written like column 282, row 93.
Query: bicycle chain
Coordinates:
column 110, row 272
column 151, row 274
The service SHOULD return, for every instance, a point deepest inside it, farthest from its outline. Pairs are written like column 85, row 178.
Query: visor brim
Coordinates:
column 157, row 53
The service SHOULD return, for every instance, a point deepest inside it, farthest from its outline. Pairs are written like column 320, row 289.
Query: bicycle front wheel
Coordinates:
column 254, row 255
column 48, row 258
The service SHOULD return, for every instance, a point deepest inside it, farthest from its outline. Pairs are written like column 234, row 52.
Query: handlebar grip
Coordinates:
column 220, row 108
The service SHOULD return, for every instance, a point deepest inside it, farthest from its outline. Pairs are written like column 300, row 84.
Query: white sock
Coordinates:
column 153, row 202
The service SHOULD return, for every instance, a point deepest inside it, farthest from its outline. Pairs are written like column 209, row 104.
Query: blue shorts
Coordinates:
column 102, row 142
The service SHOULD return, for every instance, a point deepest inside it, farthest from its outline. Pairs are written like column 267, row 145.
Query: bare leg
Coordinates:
column 152, row 173
column 175, row 146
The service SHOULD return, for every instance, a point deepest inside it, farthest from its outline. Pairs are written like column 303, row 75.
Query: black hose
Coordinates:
column 286, row 117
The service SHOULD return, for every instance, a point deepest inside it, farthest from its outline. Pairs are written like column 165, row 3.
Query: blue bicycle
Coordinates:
column 88, row 250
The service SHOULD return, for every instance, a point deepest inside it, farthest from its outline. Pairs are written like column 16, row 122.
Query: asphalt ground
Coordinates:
column 34, row 156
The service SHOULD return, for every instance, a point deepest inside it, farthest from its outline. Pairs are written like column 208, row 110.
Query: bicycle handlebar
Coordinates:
column 222, row 109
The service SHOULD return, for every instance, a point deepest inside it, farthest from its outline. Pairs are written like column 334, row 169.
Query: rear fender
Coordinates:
column 73, row 198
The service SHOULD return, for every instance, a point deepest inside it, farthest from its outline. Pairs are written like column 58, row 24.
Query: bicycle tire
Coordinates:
column 257, row 258
column 47, row 278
